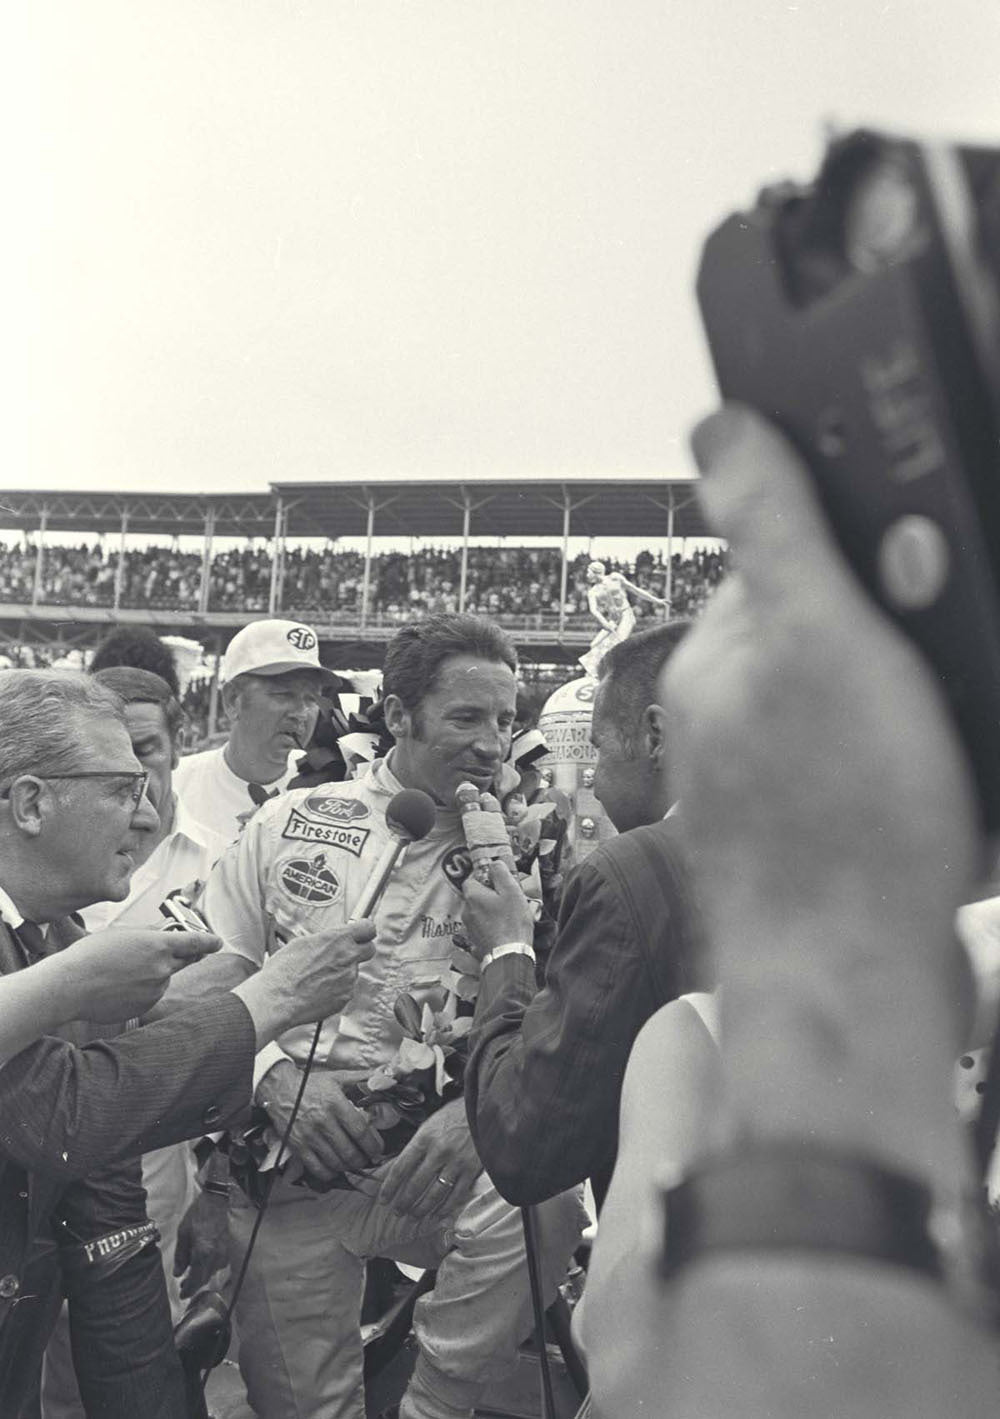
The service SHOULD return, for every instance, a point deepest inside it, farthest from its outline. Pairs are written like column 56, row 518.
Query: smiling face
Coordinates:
column 461, row 730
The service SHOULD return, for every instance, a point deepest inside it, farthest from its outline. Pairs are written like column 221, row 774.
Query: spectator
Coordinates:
column 834, row 833
column 545, row 1072
column 140, row 648
column 271, row 686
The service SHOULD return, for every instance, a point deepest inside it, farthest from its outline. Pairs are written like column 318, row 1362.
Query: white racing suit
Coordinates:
column 299, row 867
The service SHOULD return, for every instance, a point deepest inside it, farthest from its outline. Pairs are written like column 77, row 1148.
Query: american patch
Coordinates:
column 456, row 866
column 301, row 637
column 309, row 879
column 304, row 830
column 336, row 810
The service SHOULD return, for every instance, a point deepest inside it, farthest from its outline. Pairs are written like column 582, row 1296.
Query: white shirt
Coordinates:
column 185, row 855
column 215, row 797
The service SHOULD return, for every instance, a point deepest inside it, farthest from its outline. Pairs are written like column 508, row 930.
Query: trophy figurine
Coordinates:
column 607, row 598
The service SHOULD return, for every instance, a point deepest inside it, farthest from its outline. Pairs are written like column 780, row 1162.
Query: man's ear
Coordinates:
column 26, row 804
column 398, row 719
column 231, row 701
column 654, row 725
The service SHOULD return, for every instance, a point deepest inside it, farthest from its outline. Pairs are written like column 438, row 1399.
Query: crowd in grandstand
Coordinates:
column 521, row 582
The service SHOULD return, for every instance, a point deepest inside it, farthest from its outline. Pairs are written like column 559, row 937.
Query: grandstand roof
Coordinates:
column 172, row 514
column 526, row 507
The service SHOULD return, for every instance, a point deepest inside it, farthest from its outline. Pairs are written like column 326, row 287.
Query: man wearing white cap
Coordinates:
column 271, row 686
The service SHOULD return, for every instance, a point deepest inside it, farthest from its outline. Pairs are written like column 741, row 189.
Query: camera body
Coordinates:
column 862, row 315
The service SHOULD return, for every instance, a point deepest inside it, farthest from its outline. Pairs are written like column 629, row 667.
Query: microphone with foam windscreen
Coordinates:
column 409, row 817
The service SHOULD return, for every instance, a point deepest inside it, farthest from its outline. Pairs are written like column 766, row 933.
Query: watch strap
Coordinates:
column 796, row 1196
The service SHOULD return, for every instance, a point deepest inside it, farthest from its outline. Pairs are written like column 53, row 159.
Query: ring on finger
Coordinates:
column 445, row 1182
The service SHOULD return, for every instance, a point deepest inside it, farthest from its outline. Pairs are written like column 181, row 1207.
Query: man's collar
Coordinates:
column 185, row 825
column 9, row 911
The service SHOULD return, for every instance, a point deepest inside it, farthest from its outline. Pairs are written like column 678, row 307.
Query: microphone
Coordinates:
column 409, row 817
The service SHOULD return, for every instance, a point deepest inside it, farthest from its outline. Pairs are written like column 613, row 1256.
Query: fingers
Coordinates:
column 188, row 946
column 758, row 495
column 332, row 1136
column 504, row 881
column 426, row 1185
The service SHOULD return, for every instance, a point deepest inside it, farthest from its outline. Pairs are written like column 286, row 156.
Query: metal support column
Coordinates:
column 205, row 588
column 668, row 580
column 564, row 574
column 277, row 557
column 463, row 578
column 120, row 568
column 36, row 589
column 366, row 584
column 213, row 689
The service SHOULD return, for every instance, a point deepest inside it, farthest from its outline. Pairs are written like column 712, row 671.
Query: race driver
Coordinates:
column 449, row 695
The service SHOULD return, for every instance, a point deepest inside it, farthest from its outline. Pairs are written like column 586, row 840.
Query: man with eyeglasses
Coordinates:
column 73, row 817
column 271, row 684
column 171, row 861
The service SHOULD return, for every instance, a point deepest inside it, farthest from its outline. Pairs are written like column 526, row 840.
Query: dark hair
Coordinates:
column 416, row 653
column 142, row 687
column 629, row 673
column 137, row 647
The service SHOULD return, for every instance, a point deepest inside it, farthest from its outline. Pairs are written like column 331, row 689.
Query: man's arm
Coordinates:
column 545, row 1069
column 122, row 1336
column 833, row 827
column 68, row 1111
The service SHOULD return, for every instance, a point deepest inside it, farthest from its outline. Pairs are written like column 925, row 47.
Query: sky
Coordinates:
column 301, row 239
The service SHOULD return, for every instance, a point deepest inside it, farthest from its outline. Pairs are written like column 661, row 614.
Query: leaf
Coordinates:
column 407, row 1013
column 461, row 1028
column 467, row 987
column 440, row 1073
column 426, row 1021
column 413, row 1055
column 381, row 1078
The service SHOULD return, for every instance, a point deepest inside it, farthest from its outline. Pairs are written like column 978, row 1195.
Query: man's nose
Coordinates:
column 491, row 742
column 145, row 818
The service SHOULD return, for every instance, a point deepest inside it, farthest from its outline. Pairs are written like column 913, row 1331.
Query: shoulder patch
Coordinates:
column 310, row 880
column 299, row 828
column 333, row 809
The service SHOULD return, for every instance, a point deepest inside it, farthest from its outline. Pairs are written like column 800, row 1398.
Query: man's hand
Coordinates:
column 330, row 1135
column 202, row 1243
column 309, row 978
column 434, row 1174
column 121, row 972
column 831, row 818
column 493, row 916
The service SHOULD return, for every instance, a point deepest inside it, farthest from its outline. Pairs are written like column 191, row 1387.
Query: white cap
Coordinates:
column 272, row 648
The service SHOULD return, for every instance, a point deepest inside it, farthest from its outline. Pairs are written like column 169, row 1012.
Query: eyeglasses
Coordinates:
column 137, row 788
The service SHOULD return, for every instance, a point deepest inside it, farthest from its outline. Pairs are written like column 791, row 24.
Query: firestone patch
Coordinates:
column 341, row 835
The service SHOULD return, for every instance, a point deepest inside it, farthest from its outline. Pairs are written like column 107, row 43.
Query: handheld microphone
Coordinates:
column 409, row 817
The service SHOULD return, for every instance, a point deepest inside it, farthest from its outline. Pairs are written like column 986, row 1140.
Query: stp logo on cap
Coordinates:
column 302, row 638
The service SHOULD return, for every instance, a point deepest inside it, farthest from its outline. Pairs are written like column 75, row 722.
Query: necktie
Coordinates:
column 260, row 794
column 31, row 941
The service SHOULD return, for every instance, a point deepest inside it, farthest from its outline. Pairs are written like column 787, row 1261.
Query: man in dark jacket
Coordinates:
column 74, row 1111
column 546, row 1067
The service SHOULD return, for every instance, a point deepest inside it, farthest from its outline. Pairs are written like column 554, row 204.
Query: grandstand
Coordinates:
column 68, row 596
